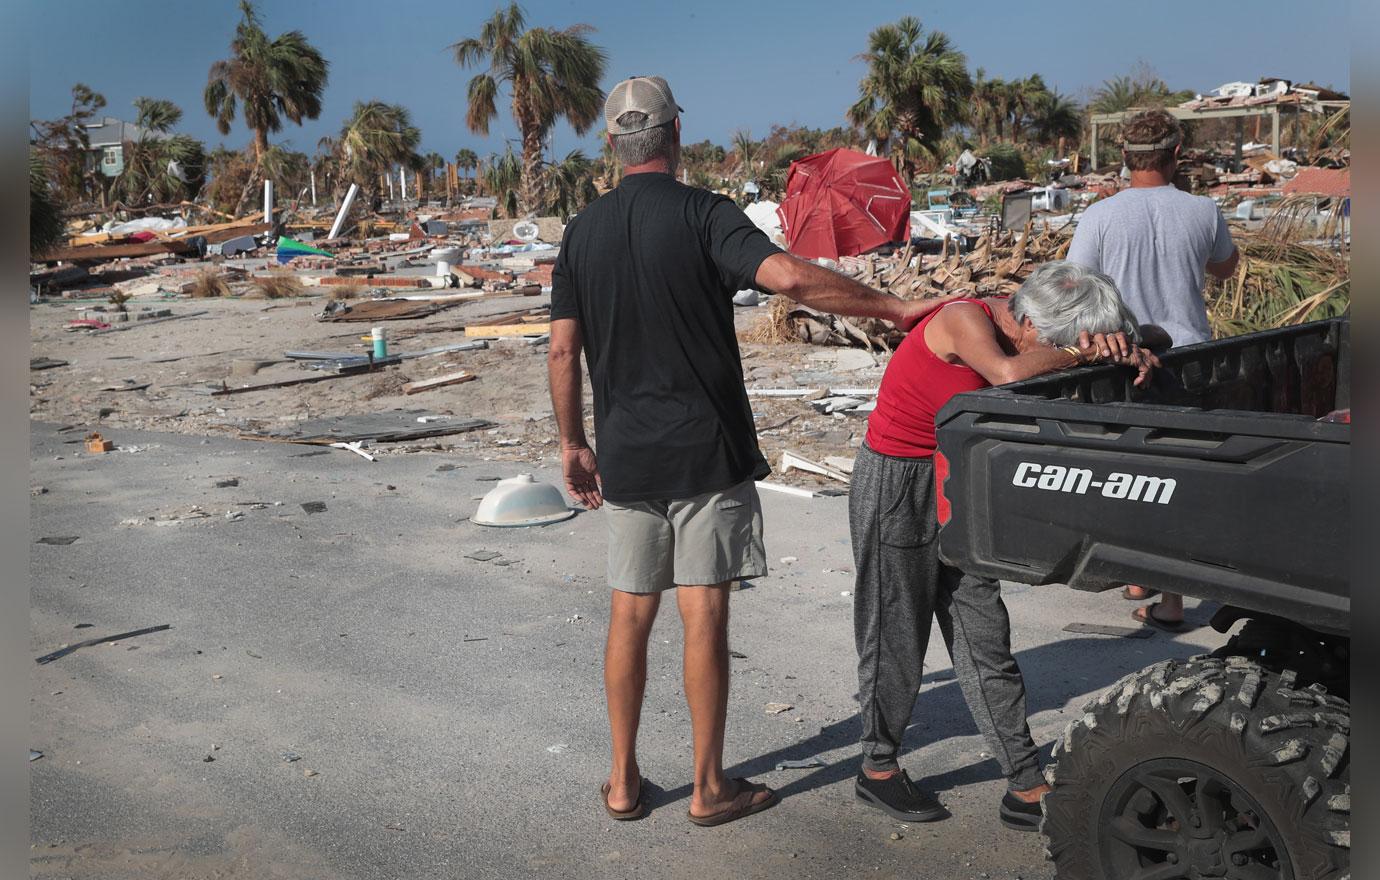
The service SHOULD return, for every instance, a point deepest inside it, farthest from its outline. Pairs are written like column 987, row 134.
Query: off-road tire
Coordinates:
column 1286, row 748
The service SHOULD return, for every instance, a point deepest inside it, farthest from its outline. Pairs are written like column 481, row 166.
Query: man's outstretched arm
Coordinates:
column 567, row 401
column 829, row 291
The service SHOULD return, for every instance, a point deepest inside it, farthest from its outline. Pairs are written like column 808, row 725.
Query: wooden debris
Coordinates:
column 385, row 310
column 494, row 332
column 530, row 322
column 791, row 461
column 438, row 382
column 995, row 266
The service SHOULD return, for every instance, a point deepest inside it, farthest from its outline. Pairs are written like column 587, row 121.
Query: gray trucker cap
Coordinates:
column 645, row 94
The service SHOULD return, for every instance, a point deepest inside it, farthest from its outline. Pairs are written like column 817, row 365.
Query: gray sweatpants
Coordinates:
column 901, row 586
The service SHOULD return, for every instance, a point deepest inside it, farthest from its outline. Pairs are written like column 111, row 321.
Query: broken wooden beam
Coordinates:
column 438, row 382
column 487, row 331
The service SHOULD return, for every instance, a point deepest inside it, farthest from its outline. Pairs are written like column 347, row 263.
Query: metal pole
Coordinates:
column 268, row 201
column 402, row 179
column 389, row 175
column 1092, row 165
column 313, row 187
column 344, row 209
column 1274, row 131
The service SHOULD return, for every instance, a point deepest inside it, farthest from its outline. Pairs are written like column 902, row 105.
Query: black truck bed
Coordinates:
column 1219, row 481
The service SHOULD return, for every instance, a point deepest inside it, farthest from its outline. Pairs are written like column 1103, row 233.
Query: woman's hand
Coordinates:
column 1096, row 348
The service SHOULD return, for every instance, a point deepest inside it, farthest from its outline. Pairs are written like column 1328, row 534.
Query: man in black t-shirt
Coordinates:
column 643, row 286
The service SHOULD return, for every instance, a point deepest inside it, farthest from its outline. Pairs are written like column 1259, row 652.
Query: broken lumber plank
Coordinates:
column 486, row 331
column 794, row 461
column 286, row 383
column 99, row 253
column 438, row 382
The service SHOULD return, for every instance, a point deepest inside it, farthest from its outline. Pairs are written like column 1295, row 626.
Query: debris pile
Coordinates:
column 995, row 266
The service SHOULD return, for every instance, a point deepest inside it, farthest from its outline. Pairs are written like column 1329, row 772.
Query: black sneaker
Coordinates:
column 899, row 798
column 1019, row 815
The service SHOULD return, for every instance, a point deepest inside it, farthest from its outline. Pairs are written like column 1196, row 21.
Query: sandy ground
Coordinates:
column 184, row 359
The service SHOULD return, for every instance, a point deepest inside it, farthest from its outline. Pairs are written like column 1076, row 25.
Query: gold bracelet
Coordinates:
column 1073, row 350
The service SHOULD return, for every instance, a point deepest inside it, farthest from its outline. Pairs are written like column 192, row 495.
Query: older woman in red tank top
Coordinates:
column 1062, row 316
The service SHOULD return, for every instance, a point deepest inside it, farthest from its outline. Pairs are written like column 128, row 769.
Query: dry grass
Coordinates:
column 209, row 284
column 277, row 285
column 345, row 291
column 1278, row 283
column 772, row 328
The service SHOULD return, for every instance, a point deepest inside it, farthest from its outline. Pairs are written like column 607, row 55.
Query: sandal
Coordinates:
column 1131, row 597
column 1146, row 615
column 637, row 811
column 741, row 805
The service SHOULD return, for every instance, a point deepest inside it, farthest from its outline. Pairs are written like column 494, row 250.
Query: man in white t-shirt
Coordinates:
column 1158, row 243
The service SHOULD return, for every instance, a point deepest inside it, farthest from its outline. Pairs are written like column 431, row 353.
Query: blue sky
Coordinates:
column 732, row 65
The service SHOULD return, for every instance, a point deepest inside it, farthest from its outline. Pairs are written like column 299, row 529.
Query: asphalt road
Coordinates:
column 452, row 709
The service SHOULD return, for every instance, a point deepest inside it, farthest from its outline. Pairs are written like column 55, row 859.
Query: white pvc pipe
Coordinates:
column 268, row 201
column 313, row 187
column 402, row 176
column 344, row 209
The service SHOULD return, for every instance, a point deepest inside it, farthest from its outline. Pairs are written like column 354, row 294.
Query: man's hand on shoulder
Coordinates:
column 916, row 310
column 582, row 476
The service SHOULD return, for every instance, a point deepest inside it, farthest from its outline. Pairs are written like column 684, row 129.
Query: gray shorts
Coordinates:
column 708, row 539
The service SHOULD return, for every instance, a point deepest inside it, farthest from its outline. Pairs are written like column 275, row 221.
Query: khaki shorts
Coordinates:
column 708, row 539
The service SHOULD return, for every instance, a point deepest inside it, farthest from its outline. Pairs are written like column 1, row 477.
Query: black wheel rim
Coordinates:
column 1174, row 818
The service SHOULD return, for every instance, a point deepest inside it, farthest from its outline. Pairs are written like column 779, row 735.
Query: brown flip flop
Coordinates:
column 637, row 811
column 1130, row 597
column 741, row 805
column 1146, row 615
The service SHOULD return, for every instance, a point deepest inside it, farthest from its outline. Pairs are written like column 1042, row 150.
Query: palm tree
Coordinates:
column 917, row 85
column 502, row 179
column 288, row 169
column 159, row 167
column 273, row 79
column 376, row 137
column 156, row 114
column 746, row 149
column 326, row 162
column 571, row 185
column 552, row 74
column 610, row 169
column 466, row 160
column 47, row 229
column 1024, row 96
column 988, row 107
column 481, row 171
column 778, row 170
column 429, row 165
column 1056, row 116
column 1115, row 95
column 63, row 146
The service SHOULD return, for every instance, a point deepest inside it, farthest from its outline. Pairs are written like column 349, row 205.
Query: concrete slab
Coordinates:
column 452, row 709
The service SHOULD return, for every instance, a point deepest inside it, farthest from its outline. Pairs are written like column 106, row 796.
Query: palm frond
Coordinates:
column 482, row 109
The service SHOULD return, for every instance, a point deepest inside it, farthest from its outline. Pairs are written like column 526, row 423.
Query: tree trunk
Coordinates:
column 531, row 193
column 256, row 175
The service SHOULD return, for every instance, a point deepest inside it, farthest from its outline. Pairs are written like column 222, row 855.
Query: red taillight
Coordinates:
column 941, row 501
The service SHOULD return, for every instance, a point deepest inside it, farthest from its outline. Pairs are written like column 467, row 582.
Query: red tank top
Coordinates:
column 915, row 387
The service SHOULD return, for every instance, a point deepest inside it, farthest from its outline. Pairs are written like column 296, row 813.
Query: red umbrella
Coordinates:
column 842, row 203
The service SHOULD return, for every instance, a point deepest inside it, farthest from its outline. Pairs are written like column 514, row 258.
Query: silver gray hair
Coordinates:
column 1063, row 299
column 643, row 146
